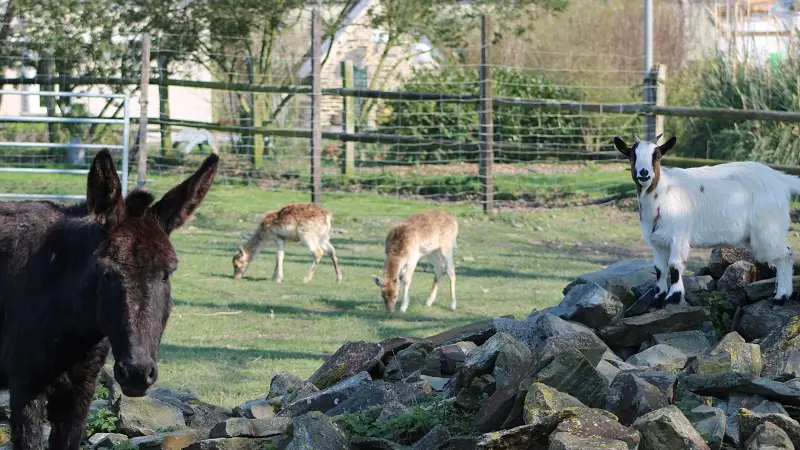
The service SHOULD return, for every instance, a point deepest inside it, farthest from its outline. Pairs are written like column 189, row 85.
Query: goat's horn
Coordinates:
column 636, row 138
column 655, row 141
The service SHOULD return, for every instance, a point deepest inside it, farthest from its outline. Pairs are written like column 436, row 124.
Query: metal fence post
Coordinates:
column 126, row 140
column 141, row 177
column 649, row 78
column 316, row 103
column 486, row 120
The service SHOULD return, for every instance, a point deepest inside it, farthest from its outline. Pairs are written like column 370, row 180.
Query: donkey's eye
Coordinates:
column 165, row 276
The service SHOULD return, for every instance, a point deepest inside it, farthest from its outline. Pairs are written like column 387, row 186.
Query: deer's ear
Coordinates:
column 377, row 280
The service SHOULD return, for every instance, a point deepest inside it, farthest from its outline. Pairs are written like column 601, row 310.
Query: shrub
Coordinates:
column 101, row 421
column 458, row 121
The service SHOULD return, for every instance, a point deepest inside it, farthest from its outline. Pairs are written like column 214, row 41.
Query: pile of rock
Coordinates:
column 601, row 370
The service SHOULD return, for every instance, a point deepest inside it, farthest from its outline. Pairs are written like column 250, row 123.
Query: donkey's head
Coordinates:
column 134, row 263
column 645, row 159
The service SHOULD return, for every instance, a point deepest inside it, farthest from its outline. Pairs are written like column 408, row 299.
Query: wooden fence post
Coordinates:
column 254, row 120
column 348, row 119
column 50, row 101
column 486, row 120
column 316, row 103
column 163, row 105
column 141, row 177
column 650, row 84
column 661, row 96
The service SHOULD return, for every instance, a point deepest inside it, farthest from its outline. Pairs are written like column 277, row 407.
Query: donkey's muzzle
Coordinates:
column 135, row 376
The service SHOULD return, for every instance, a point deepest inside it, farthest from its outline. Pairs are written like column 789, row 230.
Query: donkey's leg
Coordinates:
column 661, row 266
column 68, row 403
column 280, row 248
column 27, row 416
column 437, row 260
column 409, row 274
column 317, row 252
column 328, row 248
column 679, row 253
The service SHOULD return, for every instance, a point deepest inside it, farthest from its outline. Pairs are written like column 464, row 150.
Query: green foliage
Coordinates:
column 723, row 83
column 101, row 392
column 410, row 427
column 720, row 310
column 168, row 429
column 459, row 121
column 101, row 421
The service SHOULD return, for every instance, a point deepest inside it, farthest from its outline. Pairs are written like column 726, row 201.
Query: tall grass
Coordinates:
column 752, row 85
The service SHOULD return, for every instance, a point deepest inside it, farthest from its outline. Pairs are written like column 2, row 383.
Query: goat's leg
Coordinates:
column 280, row 249
column 679, row 253
column 770, row 246
column 328, row 247
column 68, row 403
column 661, row 265
column 27, row 416
column 409, row 274
column 451, row 274
column 436, row 259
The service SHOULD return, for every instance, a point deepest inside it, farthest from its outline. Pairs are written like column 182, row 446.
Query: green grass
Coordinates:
column 227, row 338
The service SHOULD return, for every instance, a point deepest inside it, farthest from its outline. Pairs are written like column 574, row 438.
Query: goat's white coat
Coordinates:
column 740, row 203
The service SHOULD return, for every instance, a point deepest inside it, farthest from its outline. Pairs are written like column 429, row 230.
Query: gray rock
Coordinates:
column 314, row 431
column 749, row 421
column 408, row 361
column 498, row 408
column 374, row 443
column 740, row 358
column 608, row 370
column 691, row 342
column 591, row 425
column 632, row 331
column 571, row 372
column 327, row 399
column 710, row 423
column 255, row 409
column 592, row 348
column 646, row 302
column 590, row 305
column 204, row 416
column 471, row 397
column 630, row 397
column 760, row 319
column 768, row 436
column 660, row 357
column 737, row 403
column 664, row 381
column 142, row 416
column 438, row 384
column 478, row 332
column 727, row 343
column 765, row 289
column 501, row 355
column 542, row 401
column 568, row 441
column 449, row 359
column 168, row 441
column 522, row 330
column 668, row 429
column 350, row 359
column 395, row 345
column 367, row 395
column 699, row 283
column 794, row 384
column 434, row 439
column 241, row 427
column 727, row 383
column 620, row 279
column 736, row 277
column 723, row 257
column 391, row 410
column 106, row 440
column 782, row 351
column 282, row 384
column 302, row 390
column 234, row 444
column 522, row 437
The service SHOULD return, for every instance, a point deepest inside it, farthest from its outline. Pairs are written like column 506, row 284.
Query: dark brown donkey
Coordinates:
column 77, row 280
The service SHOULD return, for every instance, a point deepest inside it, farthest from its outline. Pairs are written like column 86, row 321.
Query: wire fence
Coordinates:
column 396, row 116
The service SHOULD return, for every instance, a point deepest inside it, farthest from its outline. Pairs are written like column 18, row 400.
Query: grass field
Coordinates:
column 226, row 338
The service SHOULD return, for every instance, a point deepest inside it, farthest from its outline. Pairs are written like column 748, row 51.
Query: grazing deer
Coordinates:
column 306, row 223
column 432, row 234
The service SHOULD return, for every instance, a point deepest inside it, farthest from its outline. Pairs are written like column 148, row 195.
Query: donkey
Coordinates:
column 76, row 281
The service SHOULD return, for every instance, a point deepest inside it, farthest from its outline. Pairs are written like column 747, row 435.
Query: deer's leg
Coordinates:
column 437, row 260
column 27, row 416
column 328, row 247
column 411, row 266
column 68, row 403
column 451, row 274
column 317, row 252
column 280, row 246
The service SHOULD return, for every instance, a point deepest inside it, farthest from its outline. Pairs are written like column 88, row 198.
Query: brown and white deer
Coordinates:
column 306, row 223
column 432, row 234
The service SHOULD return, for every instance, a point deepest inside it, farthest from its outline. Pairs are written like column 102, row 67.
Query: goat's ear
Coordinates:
column 622, row 147
column 667, row 145
column 177, row 205
column 377, row 280
column 104, row 191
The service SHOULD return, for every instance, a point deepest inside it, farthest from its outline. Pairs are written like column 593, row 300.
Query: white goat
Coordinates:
column 432, row 234
column 306, row 223
column 739, row 203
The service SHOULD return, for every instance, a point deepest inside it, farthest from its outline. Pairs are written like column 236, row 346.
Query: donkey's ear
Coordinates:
column 177, row 205
column 667, row 145
column 622, row 147
column 104, row 191
column 377, row 281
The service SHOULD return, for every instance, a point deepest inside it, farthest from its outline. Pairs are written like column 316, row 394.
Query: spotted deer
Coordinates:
column 432, row 234
column 305, row 223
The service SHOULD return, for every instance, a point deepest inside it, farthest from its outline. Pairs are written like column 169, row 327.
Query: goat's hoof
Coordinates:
column 780, row 301
column 659, row 299
column 675, row 298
